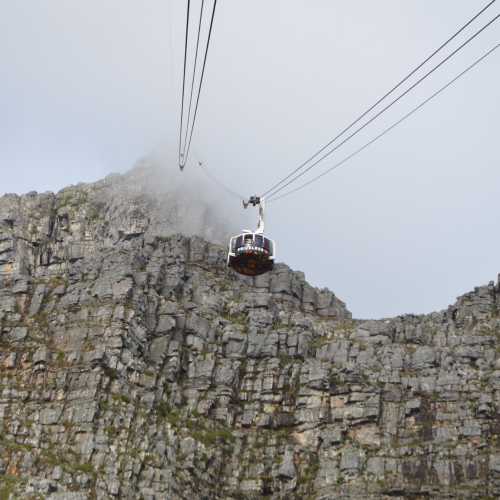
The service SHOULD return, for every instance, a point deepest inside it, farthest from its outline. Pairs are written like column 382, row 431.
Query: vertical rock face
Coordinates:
column 133, row 365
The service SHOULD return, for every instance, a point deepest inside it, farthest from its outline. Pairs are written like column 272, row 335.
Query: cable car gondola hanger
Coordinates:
column 251, row 253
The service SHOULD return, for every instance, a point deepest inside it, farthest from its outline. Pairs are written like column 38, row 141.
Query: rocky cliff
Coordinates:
column 135, row 365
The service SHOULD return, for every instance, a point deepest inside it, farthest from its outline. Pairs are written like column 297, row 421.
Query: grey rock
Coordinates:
column 350, row 459
column 18, row 334
column 287, row 467
column 133, row 364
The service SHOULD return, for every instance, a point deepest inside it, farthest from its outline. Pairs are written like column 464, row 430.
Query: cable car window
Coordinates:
column 259, row 240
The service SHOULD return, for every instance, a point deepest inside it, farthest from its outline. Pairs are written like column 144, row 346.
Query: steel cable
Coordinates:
column 409, row 75
column 201, row 83
column 387, row 130
column 194, row 74
column 184, row 82
column 383, row 110
column 219, row 183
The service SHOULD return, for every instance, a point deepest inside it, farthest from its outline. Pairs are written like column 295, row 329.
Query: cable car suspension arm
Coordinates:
column 254, row 201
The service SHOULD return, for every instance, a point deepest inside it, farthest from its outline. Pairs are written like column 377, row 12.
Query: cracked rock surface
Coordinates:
column 134, row 364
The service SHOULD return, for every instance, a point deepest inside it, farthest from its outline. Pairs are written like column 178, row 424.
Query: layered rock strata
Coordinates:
column 134, row 364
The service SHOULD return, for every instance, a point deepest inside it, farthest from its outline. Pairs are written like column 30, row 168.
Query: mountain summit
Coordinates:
column 134, row 364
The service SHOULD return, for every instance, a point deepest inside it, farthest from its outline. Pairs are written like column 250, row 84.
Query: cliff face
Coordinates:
column 135, row 365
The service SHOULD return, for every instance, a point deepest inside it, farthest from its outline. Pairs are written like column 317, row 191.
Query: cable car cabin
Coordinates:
column 251, row 254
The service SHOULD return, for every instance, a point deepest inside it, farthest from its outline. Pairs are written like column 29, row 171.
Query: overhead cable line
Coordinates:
column 183, row 83
column 383, row 110
column 186, row 156
column 219, row 183
column 362, row 148
column 401, row 82
column 194, row 74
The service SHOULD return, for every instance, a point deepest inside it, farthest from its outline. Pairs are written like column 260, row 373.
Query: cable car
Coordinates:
column 251, row 253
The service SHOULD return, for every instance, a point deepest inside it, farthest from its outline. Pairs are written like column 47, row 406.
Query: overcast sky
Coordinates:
column 89, row 87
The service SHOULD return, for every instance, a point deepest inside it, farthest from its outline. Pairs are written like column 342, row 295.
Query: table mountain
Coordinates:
column 135, row 365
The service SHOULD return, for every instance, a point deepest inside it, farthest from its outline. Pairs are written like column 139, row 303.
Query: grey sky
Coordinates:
column 89, row 87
